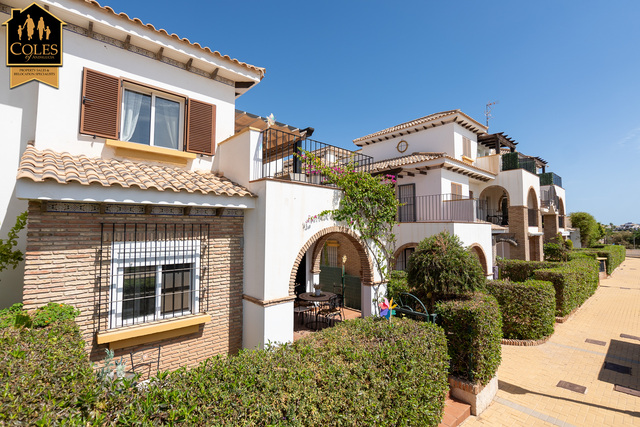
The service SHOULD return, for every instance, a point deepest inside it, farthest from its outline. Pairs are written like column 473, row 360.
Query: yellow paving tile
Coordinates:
column 528, row 375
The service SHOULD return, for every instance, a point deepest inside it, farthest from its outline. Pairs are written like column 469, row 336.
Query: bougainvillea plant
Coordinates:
column 368, row 206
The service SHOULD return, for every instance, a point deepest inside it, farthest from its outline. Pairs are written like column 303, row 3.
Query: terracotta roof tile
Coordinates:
column 402, row 161
column 416, row 122
column 65, row 168
column 175, row 36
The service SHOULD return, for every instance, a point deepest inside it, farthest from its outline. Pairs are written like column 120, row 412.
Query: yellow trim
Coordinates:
column 468, row 160
column 156, row 331
column 146, row 152
column 333, row 243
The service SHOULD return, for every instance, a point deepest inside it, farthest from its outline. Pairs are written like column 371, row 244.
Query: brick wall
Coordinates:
column 518, row 225
column 550, row 227
column 62, row 265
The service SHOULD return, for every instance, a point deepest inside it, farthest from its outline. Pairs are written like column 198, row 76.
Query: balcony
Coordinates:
column 515, row 160
column 440, row 208
column 561, row 221
column 279, row 158
column 496, row 216
column 550, row 178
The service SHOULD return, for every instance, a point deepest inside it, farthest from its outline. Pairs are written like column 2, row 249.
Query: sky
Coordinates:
column 565, row 74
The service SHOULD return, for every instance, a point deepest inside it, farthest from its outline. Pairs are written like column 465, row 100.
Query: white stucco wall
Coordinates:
column 433, row 140
column 51, row 117
column 517, row 182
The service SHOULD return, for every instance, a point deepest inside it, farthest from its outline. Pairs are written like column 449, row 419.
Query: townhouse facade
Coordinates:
column 184, row 228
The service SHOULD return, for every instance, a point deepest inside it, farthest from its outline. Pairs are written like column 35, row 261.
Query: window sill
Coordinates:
column 149, row 332
column 146, row 152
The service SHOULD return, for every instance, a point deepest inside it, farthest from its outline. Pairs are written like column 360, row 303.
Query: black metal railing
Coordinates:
column 281, row 151
column 550, row 178
column 440, row 208
column 515, row 160
column 533, row 217
column 497, row 217
column 149, row 272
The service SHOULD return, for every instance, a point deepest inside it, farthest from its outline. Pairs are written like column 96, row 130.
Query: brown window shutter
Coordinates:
column 99, row 113
column 201, row 127
column 456, row 191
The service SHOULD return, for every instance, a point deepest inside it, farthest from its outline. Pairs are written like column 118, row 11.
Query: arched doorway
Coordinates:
column 329, row 250
column 401, row 256
column 477, row 250
column 495, row 204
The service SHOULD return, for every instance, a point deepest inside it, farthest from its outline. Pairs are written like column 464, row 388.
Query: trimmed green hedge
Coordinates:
column 474, row 332
column 528, row 308
column 574, row 282
column 517, row 270
column 45, row 374
column 361, row 372
column 615, row 254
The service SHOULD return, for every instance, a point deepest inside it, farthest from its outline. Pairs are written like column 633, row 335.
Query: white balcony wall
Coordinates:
column 517, row 182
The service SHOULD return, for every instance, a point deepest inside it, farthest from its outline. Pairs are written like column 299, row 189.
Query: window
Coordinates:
column 402, row 262
column 151, row 118
column 153, row 280
column 466, row 147
column 120, row 109
column 407, row 196
column 456, row 191
column 330, row 254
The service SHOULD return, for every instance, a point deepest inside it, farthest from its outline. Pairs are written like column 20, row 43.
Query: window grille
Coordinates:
column 402, row 262
column 150, row 272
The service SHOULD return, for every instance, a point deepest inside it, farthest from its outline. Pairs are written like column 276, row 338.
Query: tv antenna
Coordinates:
column 487, row 111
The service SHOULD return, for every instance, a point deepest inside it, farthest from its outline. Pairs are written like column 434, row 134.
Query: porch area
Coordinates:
column 300, row 328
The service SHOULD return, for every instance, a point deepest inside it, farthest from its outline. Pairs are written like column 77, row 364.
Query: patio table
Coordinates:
column 322, row 298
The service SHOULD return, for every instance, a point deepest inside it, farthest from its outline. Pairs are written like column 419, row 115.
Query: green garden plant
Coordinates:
column 528, row 308
column 368, row 205
column 474, row 333
column 441, row 267
column 9, row 256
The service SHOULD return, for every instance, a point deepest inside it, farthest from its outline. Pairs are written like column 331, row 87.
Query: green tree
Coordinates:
column 590, row 230
column 368, row 205
column 9, row 256
column 441, row 267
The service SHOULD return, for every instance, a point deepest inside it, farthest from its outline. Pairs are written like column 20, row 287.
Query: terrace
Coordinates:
column 441, row 208
column 280, row 159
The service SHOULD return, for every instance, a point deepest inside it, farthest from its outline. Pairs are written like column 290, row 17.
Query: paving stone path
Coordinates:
column 607, row 365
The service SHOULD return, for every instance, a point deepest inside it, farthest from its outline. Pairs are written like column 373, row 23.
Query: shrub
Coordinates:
column 361, row 372
column 9, row 256
column 474, row 332
column 53, row 312
column 528, row 308
column 397, row 284
column 520, row 271
column 574, row 283
column 441, row 267
column 557, row 249
column 615, row 254
column 46, row 376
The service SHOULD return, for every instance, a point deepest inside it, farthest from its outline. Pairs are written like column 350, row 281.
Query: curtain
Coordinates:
column 132, row 104
column 166, row 123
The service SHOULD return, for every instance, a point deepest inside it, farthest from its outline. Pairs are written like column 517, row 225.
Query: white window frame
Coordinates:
column 152, row 253
column 154, row 93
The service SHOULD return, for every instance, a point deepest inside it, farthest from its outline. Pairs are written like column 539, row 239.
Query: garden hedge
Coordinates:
column 528, row 308
column 45, row 374
column 614, row 254
column 362, row 372
column 474, row 332
column 517, row 270
column 574, row 282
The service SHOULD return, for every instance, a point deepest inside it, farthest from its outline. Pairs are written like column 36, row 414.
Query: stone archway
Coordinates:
column 402, row 251
column 496, row 201
column 477, row 250
column 319, row 240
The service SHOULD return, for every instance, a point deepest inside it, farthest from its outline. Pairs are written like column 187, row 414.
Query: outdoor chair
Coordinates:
column 301, row 308
column 333, row 309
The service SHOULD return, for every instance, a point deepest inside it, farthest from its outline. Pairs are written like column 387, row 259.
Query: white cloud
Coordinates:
column 632, row 138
